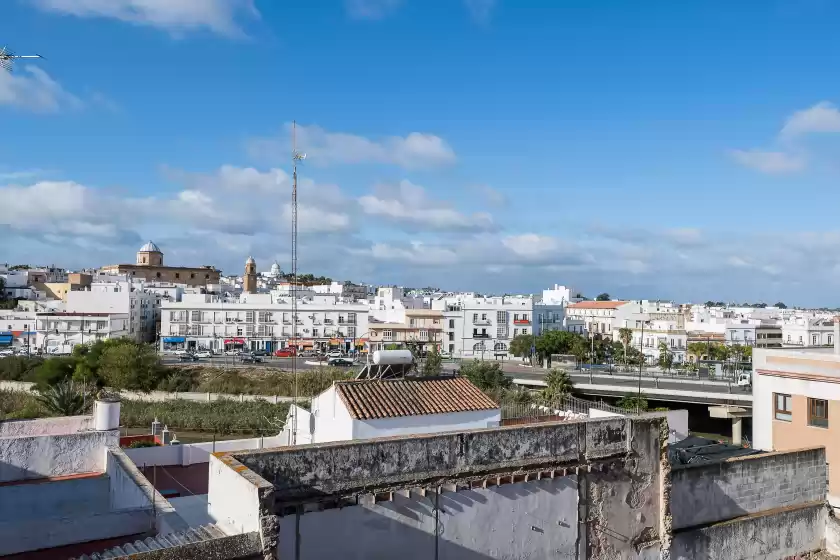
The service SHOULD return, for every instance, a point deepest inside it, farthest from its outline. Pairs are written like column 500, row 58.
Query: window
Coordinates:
column 515, row 332
column 484, row 316
column 451, row 348
column 818, row 413
column 177, row 275
column 451, row 336
column 516, row 316
column 158, row 274
column 314, row 333
column 524, row 331
column 800, row 339
column 192, row 275
column 783, row 407
column 412, row 322
column 475, row 317
column 814, row 340
column 387, row 335
column 424, row 335
column 451, row 323
column 206, row 276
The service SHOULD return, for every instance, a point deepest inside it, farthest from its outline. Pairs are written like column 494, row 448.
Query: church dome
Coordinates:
column 275, row 269
column 149, row 247
column 250, row 261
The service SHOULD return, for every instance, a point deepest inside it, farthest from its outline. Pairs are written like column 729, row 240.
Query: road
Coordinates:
column 229, row 361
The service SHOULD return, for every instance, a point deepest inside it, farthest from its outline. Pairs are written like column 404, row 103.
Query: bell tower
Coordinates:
column 249, row 283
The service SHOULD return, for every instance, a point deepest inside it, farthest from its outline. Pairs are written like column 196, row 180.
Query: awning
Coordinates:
column 174, row 339
column 5, row 339
column 300, row 343
column 234, row 341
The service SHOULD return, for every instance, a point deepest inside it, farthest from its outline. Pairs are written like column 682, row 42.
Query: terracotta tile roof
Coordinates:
column 597, row 304
column 368, row 400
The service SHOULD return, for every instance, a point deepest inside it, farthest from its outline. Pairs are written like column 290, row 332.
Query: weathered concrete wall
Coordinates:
column 775, row 536
column 535, row 520
column 60, row 498
column 43, row 456
column 236, row 547
column 45, row 426
column 735, row 487
column 194, row 453
column 335, row 468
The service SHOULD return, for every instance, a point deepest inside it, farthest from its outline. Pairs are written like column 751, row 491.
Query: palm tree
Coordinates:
column 65, row 399
column 666, row 358
column 625, row 335
column 558, row 385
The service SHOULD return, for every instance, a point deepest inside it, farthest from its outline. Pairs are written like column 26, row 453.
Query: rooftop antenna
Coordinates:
column 296, row 157
column 8, row 58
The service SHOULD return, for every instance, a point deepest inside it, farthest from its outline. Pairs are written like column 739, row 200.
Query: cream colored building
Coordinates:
column 423, row 326
column 149, row 266
column 796, row 403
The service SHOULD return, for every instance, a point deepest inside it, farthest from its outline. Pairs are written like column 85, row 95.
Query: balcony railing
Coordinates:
column 481, row 321
column 329, row 322
column 480, row 335
column 521, row 321
column 346, row 321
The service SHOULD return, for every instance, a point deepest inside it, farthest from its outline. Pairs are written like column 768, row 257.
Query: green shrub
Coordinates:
column 19, row 368
column 221, row 417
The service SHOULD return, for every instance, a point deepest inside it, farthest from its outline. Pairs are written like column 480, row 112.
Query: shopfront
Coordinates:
column 172, row 343
column 234, row 344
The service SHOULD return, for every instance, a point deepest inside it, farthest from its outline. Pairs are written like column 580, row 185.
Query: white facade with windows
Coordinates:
column 804, row 331
column 482, row 327
column 67, row 329
column 599, row 317
column 210, row 322
column 122, row 297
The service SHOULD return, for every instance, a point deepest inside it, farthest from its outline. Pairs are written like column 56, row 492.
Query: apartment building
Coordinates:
column 423, row 326
column 652, row 330
column 599, row 317
column 478, row 326
column 122, row 297
column 259, row 321
column 796, row 402
column 761, row 333
column 60, row 329
column 808, row 331
column 18, row 329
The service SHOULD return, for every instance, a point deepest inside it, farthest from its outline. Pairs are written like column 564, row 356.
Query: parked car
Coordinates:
column 250, row 359
column 232, row 352
column 335, row 354
column 342, row 362
column 5, row 353
column 259, row 352
column 308, row 354
column 203, row 354
column 285, row 353
column 188, row 357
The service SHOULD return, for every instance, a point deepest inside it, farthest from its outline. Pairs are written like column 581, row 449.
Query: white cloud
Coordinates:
column 371, row 9
column 822, row 117
column 480, row 10
column 531, row 244
column 409, row 206
column 772, row 163
column 219, row 16
column 492, row 196
column 414, row 151
column 32, row 89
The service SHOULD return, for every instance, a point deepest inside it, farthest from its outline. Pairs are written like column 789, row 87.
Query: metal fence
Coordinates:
column 568, row 408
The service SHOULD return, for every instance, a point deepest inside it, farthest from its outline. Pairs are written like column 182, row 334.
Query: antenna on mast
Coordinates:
column 8, row 58
column 296, row 157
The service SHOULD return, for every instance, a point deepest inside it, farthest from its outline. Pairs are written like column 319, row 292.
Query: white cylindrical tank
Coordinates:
column 106, row 414
column 392, row 357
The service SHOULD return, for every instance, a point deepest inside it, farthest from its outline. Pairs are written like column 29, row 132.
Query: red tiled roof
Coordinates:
column 597, row 304
column 368, row 400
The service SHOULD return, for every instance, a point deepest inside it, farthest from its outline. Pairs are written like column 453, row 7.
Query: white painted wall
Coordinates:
column 23, row 458
column 44, row 426
column 332, row 419
column 232, row 499
column 195, row 453
column 426, row 424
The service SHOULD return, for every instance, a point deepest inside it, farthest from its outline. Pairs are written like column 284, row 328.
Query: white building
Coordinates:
column 764, row 333
column 123, row 298
column 383, row 408
column 18, row 329
column 390, row 302
column 599, row 317
column 561, row 295
column 258, row 321
column 62, row 329
column 808, row 331
column 476, row 326
column 345, row 290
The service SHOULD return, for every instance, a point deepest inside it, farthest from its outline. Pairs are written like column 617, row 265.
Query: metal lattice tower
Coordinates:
column 8, row 58
column 296, row 157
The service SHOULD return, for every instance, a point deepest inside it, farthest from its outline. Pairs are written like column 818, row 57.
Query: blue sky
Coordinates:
column 650, row 149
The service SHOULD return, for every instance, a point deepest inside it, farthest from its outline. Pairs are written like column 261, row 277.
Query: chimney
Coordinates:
column 165, row 436
column 837, row 334
column 156, row 428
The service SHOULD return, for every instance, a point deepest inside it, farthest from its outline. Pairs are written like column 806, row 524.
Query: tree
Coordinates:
column 554, row 342
column 130, row 366
column 603, row 297
column 625, row 335
column 780, row 305
column 487, row 376
column 580, row 349
column 558, row 385
column 65, row 399
column 666, row 357
column 520, row 346
column 54, row 371
column 433, row 364
column 633, row 403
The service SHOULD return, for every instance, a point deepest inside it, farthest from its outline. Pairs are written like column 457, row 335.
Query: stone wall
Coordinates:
column 42, row 426
column 744, row 485
column 24, row 458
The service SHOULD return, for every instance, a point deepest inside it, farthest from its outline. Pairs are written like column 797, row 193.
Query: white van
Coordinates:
column 745, row 379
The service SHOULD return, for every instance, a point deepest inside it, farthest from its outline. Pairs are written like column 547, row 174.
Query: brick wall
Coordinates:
column 746, row 485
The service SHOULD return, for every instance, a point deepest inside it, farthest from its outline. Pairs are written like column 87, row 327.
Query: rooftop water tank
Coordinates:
column 392, row 357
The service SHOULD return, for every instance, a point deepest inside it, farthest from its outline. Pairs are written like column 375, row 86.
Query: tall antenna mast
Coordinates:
column 296, row 157
column 8, row 58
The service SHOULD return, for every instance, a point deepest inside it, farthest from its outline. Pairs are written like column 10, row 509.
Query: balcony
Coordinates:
column 480, row 335
column 346, row 322
column 521, row 321
column 329, row 322
column 287, row 321
column 481, row 321
column 178, row 320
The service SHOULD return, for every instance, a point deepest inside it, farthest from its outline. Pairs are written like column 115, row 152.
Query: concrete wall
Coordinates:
column 332, row 420
column 61, row 498
column 194, row 453
column 531, row 520
column 232, row 499
column 45, row 426
column 426, row 424
column 776, row 536
column 744, row 485
column 44, row 456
